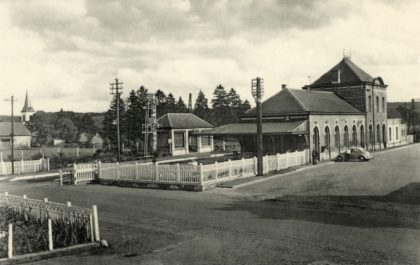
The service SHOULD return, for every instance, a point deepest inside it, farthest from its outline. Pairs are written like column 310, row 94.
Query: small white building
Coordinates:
column 397, row 132
column 177, row 135
column 22, row 136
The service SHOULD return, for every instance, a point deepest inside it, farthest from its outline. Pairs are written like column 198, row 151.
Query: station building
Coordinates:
column 345, row 107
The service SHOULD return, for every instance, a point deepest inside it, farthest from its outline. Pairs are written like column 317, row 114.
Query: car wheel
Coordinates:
column 339, row 159
column 362, row 159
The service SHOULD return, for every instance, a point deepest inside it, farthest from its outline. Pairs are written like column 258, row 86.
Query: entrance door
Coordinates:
column 316, row 146
column 192, row 143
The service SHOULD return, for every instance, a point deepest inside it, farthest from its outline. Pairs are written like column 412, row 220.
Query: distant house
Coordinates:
column 22, row 136
column 59, row 142
column 84, row 138
column 177, row 134
column 97, row 141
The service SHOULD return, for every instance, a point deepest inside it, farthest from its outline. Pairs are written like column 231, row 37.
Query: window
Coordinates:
column 390, row 134
column 346, row 137
column 179, row 139
column 370, row 104
column 354, row 135
column 205, row 140
column 377, row 105
column 327, row 138
column 337, row 137
column 383, row 104
column 396, row 133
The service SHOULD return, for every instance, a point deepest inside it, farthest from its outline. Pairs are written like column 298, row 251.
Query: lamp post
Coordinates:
column 257, row 88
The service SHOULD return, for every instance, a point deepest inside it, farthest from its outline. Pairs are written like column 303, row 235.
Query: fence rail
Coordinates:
column 187, row 174
column 24, row 166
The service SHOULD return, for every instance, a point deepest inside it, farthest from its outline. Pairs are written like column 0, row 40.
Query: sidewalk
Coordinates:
column 242, row 182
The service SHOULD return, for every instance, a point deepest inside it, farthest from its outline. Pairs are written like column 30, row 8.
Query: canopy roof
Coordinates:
column 182, row 121
column 287, row 127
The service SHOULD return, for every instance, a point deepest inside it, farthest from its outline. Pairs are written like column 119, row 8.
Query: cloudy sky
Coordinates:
column 65, row 53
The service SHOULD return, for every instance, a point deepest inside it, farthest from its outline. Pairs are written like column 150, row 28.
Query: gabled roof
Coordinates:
column 350, row 74
column 182, row 121
column 296, row 101
column 18, row 128
column 288, row 127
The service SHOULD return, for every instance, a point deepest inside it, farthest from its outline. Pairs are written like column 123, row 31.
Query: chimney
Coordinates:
column 283, row 86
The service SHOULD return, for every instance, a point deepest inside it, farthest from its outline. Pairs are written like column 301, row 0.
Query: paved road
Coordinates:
column 344, row 213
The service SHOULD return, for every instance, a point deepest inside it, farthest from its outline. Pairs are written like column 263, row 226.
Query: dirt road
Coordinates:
column 348, row 213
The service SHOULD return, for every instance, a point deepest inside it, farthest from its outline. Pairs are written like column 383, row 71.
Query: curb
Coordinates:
column 281, row 175
column 50, row 254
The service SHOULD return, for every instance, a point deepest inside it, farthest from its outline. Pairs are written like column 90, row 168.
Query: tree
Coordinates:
column 180, row 106
column 110, row 119
column 221, row 110
column 201, row 108
column 66, row 130
column 40, row 127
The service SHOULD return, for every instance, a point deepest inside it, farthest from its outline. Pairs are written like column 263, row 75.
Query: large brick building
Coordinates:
column 345, row 107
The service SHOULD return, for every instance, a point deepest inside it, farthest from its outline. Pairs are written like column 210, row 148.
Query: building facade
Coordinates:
column 178, row 135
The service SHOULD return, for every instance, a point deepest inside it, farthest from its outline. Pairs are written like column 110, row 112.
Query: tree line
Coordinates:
column 225, row 107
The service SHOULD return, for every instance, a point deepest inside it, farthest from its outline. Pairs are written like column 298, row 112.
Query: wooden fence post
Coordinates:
column 118, row 170
column 75, row 174
column 255, row 165
column 157, row 171
column 61, row 177
column 45, row 199
column 243, row 166
column 200, row 169
column 136, row 169
column 50, row 238
column 178, row 173
column 217, row 169
column 96, row 222
column 10, row 242
column 48, row 164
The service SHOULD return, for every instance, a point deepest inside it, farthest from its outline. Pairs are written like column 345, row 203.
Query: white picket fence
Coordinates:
column 22, row 166
column 187, row 174
column 47, row 210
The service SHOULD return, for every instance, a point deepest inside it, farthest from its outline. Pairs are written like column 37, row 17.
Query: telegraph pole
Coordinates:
column 12, row 134
column 257, row 88
column 116, row 88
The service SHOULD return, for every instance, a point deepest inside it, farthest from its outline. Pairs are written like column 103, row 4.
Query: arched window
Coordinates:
column 371, row 135
column 337, row 137
column 354, row 135
column 377, row 105
column 390, row 134
column 327, row 138
column 316, row 140
column 346, row 137
column 378, row 133
column 362, row 136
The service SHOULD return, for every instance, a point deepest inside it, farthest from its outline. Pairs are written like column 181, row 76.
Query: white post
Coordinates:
column 118, row 170
column 217, row 169
column 50, row 239
column 255, row 165
column 99, row 169
column 45, row 199
column 243, row 166
column 48, row 164
column 137, row 170
column 178, row 173
column 157, row 171
column 200, row 168
column 75, row 174
column 77, row 151
column 24, row 196
column 61, row 178
column 266, row 166
column 10, row 242
column 68, row 204
column 96, row 222
column 230, row 168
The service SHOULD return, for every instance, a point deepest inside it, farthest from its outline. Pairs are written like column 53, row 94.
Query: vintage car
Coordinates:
column 355, row 153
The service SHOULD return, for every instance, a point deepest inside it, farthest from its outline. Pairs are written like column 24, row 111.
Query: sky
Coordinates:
column 66, row 52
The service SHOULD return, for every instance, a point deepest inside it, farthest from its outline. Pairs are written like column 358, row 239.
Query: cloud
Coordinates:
column 67, row 52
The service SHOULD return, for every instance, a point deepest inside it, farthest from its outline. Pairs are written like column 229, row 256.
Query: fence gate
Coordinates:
column 84, row 172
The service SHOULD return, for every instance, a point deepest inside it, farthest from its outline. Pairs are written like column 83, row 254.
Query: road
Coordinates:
column 340, row 213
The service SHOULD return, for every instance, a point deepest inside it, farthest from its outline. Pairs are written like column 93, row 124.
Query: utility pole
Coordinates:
column 257, row 88
column 12, row 134
column 116, row 88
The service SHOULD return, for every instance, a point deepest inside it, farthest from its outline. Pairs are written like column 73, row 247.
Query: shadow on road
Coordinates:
column 398, row 209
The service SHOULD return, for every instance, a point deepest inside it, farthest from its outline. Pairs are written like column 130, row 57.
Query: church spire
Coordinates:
column 27, row 106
